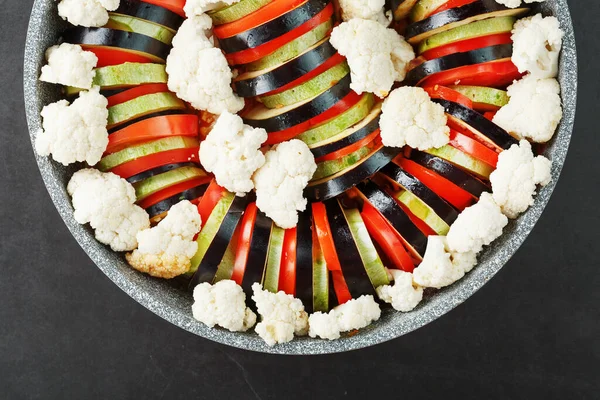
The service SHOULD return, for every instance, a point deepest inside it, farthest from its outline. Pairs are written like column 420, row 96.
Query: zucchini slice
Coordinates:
column 270, row 280
column 142, row 107
column 463, row 160
column 169, row 178
column 401, row 8
column 236, row 11
column 483, row 97
column 157, row 171
column 132, row 24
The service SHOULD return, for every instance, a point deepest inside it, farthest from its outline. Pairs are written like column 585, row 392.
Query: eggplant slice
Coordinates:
column 257, row 257
column 151, row 13
column 165, row 205
column 304, row 260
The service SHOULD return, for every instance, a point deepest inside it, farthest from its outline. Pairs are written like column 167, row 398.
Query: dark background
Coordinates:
column 67, row 332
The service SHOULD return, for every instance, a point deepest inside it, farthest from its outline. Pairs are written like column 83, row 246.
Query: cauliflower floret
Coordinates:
column 199, row 7
column 441, row 267
column 533, row 110
column 69, row 65
column 280, row 182
column 536, row 45
column 223, row 304
column 354, row 314
column 403, row 295
column 232, row 152
column 377, row 56
column 409, row 117
column 87, row 12
column 282, row 316
column 106, row 201
column 364, row 9
column 75, row 132
column 477, row 226
column 165, row 251
column 516, row 3
column 516, row 176
column 198, row 72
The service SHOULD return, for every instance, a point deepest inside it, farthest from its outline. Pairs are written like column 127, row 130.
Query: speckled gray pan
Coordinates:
column 173, row 304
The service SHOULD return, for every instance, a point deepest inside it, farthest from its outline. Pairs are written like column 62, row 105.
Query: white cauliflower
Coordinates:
column 75, row 132
column 198, row 72
column 69, row 65
column 404, row 295
column 165, row 251
column 516, row 3
column 199, row 7
column 223, row 304
column 106, row 201
column 533, row 110
column 282, row 316
column 364, row 9
column 280, row 182
column 377, row 56
column 232, row 152
column 352, row 315
column 516, row 176
column 441, row 267
column 409, row 117
column 90, row 13
column 536, row 45
column 477, row 226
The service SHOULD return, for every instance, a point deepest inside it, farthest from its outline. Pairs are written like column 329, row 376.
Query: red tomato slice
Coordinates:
column 473, row 148
column 253, row 54
column 174, row 5
column 156, row 160
column 490, row 115
column 457, row 127
column 387, row 238
column 211, row 197
column 243, row 247
column 493, row 74
column 325, row 237
column 153, row 128
column 340, row 287
column 172, row 191
column 108, row 56
column 447, row 190
column 334, row 60
column 281, row 136
column 137, row 91
column 467, row 45
column 287, row 273
column 451, row 4
column 370, row 139
column 442, row 92
column 264, row 14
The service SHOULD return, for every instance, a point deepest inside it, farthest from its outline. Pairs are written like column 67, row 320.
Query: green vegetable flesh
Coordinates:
column 236, row 11
column 475, row 29
column 275, row 252
column 422, row 211
column 483, row 95
column 309, row 89
column 320, row 279
column 158, row 182
column 338, row 124
column 134, row 152
column 423, row 8
column 210, row 229
column 464, row 160
column 368, row 253
column 143, row 105
column 131, row 24
column 225, row 269
column 331, row 167
column 292, row 49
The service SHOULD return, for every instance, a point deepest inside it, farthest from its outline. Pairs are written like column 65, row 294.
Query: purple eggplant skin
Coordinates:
column 347, row 140
column 422, row 29
column 306, row 111
column 257, row 258
column 443, row 209
column 486, row 54
column 272, row 29
column 165, row 205
column 210, row 263
column 150, row 12
column 363, row 170
column 354, row 271
column 454, row 174
column 388, row 207
column 285, row 73
column 304, row 260
column 480, row 124
column 119, row 39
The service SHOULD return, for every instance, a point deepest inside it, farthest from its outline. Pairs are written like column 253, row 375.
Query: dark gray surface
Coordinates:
column 67, row 332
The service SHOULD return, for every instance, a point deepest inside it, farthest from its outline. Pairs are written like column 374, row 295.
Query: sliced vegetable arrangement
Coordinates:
column 359, row 167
